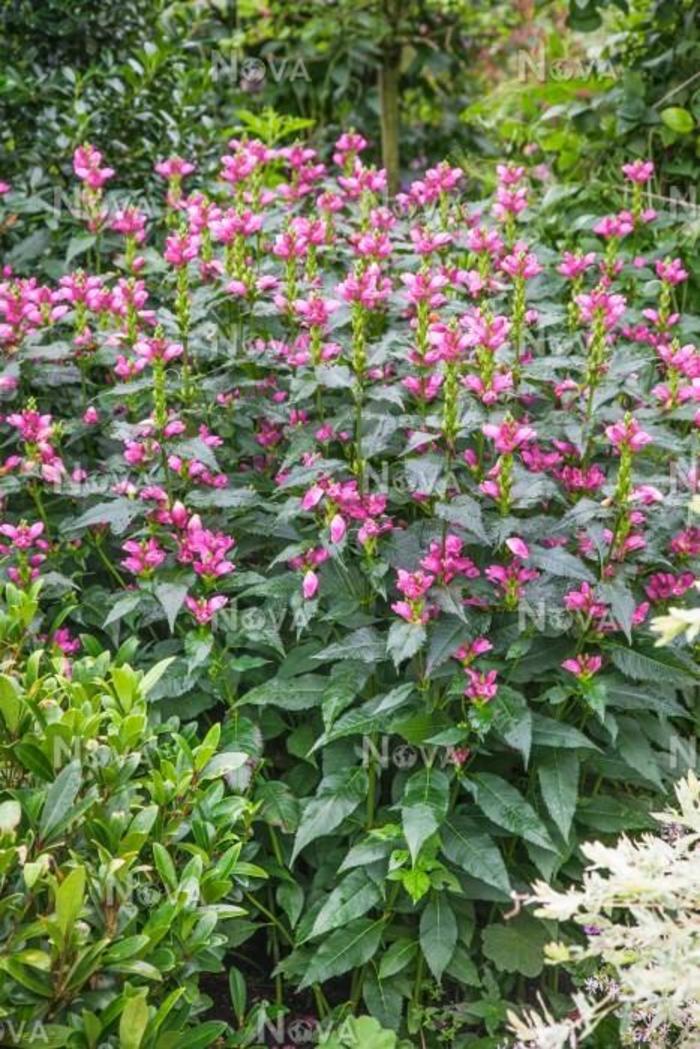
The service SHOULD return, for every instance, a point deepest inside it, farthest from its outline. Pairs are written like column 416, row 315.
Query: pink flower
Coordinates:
column 338, row 528
column 204, row 609
column 583, row 600
column 206, row 551
column 368, row 288
column 482, row 685
column 23, row 536
column 508, row 435
column 662, row 586
column 181, row 248
column 86, row 165
column 671, row 271
column 309, row 585
column 627, row 433
column 466, row 654
column 521, row 263
column 315, row 311
column 517, row 547
column 574, row 264
column 445, row 562
column 583, row 666
column 144, row 557
column 615, row 225
column 639, row 171
column 174, row 168
column 157, row 348
column 131, row 222
column 609, row 308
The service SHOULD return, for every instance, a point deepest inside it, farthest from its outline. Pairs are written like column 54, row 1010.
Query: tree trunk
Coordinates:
column 389, row 76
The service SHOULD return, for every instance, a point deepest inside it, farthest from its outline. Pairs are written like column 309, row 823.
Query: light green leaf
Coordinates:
column 59, row 798
column 133, row 1022
column 70, row 896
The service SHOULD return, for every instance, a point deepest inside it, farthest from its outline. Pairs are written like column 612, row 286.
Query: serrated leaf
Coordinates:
column 405, row 639
column 423, row 807
column 351, row 899
column 338, row 796
column 345, row 949
column 651, row 664
column 558, row 771
column 506, row 807
column 474, row 852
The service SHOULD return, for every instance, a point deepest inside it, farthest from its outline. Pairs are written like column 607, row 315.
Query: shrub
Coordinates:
column 122, row 853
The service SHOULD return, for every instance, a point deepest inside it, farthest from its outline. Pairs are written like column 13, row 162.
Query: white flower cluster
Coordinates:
column 639, row 905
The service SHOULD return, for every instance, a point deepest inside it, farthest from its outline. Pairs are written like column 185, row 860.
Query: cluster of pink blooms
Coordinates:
column 424, row 311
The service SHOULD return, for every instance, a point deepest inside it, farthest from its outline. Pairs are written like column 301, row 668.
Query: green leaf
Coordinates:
column 558, row 772
column 652, row 664
column 151, row 679
column 517, row 947
column 678, row 119
column 396, row 958
column 438, row 934
column 507, row 808
column 351, row 899
column 465, row 512
column 200, row 1037
column 237, row 992
column 280, row 808
column 297, row 693
column 79, row 244
column 338, row 796
column 546, row 732
column 123, row 606
column 635, row 749
column 611, row 815
column 369, row 718
column 423, row 807
column 223, row 764
column 171, row 597
column 513, row 721
column 345, row 949
column 70, row 896
column 474, row 852
column 60, row 798
column 559, row 562
column 405, row 639
column 365, row 644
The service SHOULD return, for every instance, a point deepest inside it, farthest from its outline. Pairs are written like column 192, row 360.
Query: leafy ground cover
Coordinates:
column 380, row 494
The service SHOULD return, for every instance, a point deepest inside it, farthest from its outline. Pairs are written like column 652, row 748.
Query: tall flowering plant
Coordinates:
column 394, row 486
